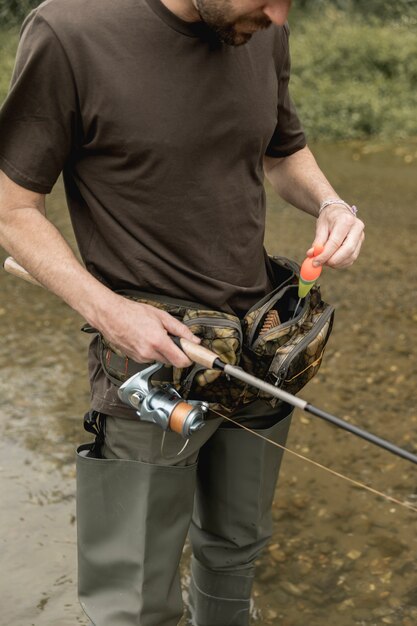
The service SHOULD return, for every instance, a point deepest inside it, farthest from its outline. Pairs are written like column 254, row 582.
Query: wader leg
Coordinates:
column 232, row 521
column 133, row 516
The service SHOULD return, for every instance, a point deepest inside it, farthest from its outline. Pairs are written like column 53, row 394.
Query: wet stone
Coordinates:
column 386, row 578
column 279, row 598
column 388, row 546
column 326, row 548
column 279, row 556
column 367, row 601
column 267, row 574
column 337, row 564
column 292, row 589
column 346, row 605
column 300, row 501
column 377, row 567
column 354, row 555
column 412, row 599
column 324, row 582
column 382, row 611
column 320, row 599
column 395, row 603
column 305, row 567
column 361, row 524
column 271, row 614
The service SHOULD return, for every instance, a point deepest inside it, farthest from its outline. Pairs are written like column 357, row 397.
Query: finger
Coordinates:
column 160, row 358
column 321, row 236
column 177, row 328
column 172, row 353
column 335, row 241
column 348, row 252
column 316, row 249
column 322, row 233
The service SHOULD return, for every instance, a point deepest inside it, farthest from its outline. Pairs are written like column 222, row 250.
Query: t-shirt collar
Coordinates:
column 192, row 29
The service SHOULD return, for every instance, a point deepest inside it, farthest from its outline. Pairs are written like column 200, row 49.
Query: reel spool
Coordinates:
column 162, row 405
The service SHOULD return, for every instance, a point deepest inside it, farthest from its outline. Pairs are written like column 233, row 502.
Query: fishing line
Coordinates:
column 352, row 481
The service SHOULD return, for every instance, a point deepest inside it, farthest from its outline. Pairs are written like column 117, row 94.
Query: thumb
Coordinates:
column 320, row 239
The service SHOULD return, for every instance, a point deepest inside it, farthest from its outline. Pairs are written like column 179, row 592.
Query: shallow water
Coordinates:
column 339, row 555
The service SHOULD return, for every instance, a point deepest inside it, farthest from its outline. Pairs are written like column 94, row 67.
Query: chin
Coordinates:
column 241, row 39
column 234, row 38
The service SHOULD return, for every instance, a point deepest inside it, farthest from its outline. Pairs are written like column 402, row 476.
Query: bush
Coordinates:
column 12, row 12
column 8, row 44
column 353, row 79
column 373, row 10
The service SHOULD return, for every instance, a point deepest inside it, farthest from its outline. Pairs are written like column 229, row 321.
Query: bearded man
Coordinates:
column 163, row 116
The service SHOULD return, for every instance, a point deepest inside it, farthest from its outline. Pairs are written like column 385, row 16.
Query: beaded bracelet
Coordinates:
column 353, row 209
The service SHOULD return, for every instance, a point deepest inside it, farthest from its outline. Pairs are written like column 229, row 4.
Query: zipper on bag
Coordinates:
column 223, row 323
column 269, row 305
column 280, row 377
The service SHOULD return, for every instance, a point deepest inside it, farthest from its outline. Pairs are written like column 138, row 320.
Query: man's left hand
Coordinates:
column 341, row 233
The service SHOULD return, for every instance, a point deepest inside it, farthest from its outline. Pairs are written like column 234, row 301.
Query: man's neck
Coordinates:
column 184, row 9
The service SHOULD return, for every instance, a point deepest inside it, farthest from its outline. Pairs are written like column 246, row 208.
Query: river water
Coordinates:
column 340, row 554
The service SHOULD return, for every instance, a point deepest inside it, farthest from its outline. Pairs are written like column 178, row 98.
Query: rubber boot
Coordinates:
column 132, row 520
column 232, row 521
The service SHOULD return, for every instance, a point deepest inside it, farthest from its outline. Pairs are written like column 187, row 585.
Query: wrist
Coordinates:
column 100, row 307
column 332, row 201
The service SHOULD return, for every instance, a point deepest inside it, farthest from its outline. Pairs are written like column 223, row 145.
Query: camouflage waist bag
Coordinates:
column 268, row 342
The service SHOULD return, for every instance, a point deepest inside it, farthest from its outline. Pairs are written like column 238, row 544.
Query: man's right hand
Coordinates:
column 138, row 330
column 141, row 332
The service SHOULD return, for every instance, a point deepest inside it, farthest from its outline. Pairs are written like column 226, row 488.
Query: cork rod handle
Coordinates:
column 195, row 352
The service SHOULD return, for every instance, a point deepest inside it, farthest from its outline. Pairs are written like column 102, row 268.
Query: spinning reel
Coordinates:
column 162, row 404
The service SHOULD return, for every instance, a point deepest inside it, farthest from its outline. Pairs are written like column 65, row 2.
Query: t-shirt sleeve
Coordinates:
column 38, row 119
column 288, row 136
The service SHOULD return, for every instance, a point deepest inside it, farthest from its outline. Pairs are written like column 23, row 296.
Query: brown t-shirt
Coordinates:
column 160, row 131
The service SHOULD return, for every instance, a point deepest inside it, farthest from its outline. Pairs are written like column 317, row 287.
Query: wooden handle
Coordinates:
column 13, row 267
column 198, row 354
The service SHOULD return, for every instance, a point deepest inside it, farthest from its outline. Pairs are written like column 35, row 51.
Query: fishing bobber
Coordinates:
column 309, row 273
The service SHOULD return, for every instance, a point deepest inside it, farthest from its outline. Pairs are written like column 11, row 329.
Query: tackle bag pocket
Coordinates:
column 222, row 333
column 298, row 360
column 280, row 347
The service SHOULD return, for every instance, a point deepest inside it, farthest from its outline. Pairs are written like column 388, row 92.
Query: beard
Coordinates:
column 233, row 31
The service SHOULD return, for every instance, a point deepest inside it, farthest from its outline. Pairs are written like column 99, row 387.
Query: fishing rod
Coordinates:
column 205, row 357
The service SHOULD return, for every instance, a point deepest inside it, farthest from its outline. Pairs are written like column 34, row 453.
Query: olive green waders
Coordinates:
column 134, row 509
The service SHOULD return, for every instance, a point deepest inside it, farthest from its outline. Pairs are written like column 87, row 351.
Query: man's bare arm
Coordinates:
column 299, row 180
column 139, row 330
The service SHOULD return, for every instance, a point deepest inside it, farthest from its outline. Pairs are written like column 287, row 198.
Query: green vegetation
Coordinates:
column 8, row 44
column 12, row 12
column 354, row 65
column 354, row 78
column 380, row 10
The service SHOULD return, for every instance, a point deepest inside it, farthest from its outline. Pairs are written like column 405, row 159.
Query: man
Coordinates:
column 161, row 115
